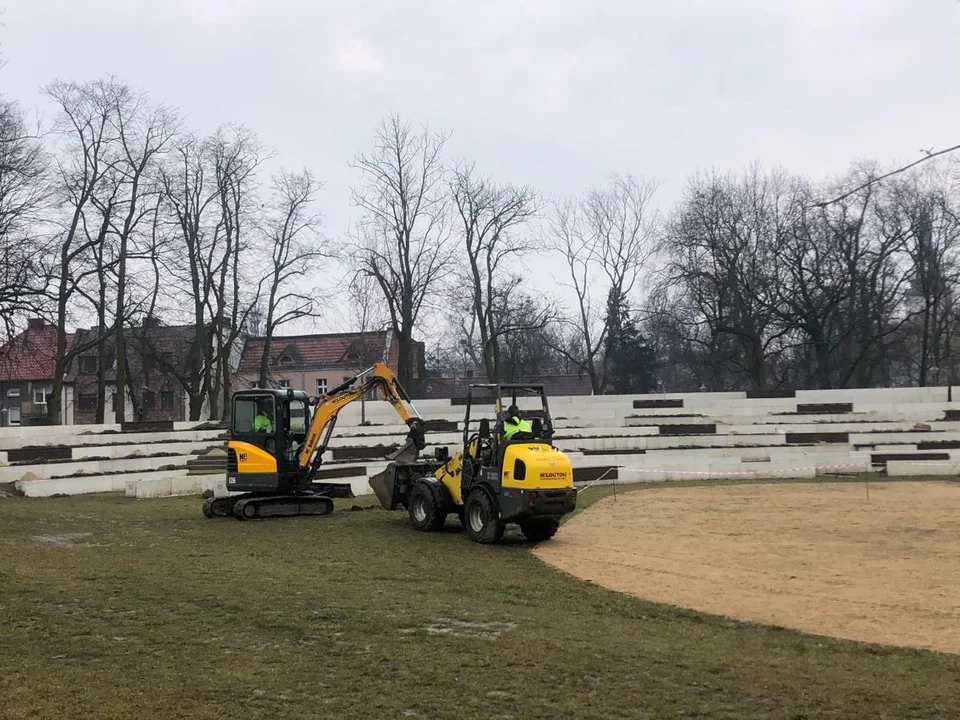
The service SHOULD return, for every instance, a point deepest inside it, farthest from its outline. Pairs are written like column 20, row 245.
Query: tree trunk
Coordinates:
column 121, row 359
column 490, row 361
column 55, row 402
column 268, row 336
column 101, row 370
column 405, row 360
column 925, row 344
column 226, row 384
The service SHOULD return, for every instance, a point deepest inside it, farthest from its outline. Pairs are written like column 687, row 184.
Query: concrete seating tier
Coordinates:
column 55, row 460
column 903, row 431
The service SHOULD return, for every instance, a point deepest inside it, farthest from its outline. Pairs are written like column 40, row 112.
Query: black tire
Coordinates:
column 208, row 507
column 424, row 508
column 482, row 519
column 539, row 529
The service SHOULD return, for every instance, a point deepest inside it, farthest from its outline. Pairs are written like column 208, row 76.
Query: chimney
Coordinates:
column 36, row 324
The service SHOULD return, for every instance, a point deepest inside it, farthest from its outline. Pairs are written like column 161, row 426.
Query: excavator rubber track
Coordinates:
column 257, row 507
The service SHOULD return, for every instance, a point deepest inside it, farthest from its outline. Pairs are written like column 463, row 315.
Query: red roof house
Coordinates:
column 27, row 365
column 316, row 363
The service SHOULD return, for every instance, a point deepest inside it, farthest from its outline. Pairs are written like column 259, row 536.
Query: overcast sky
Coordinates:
column 549, row 92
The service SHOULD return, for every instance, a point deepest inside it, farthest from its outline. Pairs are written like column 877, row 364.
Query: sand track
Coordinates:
column 816, row 557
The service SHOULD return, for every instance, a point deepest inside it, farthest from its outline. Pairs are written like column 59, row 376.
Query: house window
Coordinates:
column 284, row 383
column 321, row 386
column 13, row 392
column 40, row 395
column 149, row 400
column 88, row 365
column 87, row 403
column 166, row 400
column 352, row 356
column 14, row 416
column 285, row 359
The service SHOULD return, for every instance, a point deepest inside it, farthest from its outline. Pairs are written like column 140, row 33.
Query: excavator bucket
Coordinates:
column 408, row 452
column 415, row 442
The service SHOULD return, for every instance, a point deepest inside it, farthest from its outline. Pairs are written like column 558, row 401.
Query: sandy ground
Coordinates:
column 820, row 557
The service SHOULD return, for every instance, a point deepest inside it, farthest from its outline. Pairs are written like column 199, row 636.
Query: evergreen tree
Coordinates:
column 631, row 362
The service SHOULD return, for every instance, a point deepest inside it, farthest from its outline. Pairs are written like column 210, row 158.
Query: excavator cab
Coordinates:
column 268, row 427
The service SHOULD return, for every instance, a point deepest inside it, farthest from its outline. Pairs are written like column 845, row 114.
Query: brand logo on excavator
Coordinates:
column 243, row 457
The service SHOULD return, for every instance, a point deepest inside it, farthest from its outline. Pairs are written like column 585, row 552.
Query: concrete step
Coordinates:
column 137, row 439
column 60, row 470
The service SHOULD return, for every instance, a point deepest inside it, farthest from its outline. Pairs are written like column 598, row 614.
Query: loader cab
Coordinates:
column 487, row 445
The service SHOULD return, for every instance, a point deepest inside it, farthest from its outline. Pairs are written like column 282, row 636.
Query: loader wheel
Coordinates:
column 425, row 512
column 483, row 522
column 539, row 529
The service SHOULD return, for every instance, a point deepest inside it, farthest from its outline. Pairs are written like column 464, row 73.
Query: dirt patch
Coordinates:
column 462, row 628
column 816, row 557
column 63, row 540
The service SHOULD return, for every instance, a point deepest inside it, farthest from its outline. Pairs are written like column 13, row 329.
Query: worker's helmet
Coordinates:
column 513, row 411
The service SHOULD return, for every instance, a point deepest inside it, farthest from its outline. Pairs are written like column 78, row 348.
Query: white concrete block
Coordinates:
column 86, row 484
column 67, row 486
column 901, row 468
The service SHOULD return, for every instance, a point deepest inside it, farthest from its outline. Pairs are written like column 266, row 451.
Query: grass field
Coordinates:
column 115, row 608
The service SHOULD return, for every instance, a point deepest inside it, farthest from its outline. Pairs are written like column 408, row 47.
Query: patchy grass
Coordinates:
column 117, row 608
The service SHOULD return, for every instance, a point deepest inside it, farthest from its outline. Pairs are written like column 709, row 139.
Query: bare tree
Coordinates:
column 235, row 155
column 24, row 194
column 96, row 223
column 919, row 208
column 607, row 238
column 295, row 250
column 143, row 132
column 370, row 318
column 191, row 201
column 491, row 217
column 723, row 247
column 87, row 143
column 402, row 237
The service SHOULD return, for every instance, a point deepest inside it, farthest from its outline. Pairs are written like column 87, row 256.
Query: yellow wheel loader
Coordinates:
column 276, row 447
column 492, row 481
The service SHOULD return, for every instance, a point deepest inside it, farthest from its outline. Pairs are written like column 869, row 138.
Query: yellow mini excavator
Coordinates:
column 492, row 480
column 276, row 447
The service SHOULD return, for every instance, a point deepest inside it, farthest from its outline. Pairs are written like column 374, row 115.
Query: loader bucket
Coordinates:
column 384, row 486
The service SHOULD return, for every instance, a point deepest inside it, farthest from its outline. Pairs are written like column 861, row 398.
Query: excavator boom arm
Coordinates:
column 330, row 405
